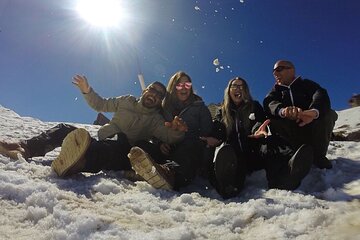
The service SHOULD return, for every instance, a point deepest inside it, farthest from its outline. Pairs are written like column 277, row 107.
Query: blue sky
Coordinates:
column 43, row 43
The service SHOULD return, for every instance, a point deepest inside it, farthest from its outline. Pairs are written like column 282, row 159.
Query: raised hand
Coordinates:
column 177, row 124
column 82, row 83
column 262, row 130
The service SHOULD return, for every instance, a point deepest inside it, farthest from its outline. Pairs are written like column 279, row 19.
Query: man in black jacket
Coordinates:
column 300, row 111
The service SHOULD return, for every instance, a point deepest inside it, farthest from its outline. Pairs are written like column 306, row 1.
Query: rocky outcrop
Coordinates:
column 213, row 107
column 345, row 136
column 347, row 127
column 355, row 100
column 101, row 120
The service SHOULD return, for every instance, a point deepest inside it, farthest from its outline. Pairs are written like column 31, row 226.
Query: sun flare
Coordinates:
column 101, row 13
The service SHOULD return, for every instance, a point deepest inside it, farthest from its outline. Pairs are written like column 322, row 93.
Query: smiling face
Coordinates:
column 183, row 89
column 236, row 91
column 284, row 72
column 153, row 95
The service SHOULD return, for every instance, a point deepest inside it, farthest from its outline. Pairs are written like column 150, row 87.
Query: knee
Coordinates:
column 326, row 120
column 65, row 126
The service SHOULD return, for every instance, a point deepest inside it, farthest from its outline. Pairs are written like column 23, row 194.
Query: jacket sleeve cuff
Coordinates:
column 280, row 113
column 317, row 113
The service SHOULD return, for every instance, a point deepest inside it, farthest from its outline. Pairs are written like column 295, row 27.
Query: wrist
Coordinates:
column 87, row 90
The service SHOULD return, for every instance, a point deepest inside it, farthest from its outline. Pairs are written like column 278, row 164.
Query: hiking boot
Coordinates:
column 229, row 181
column 300, row 163
column 132, row 176
column 71, row 158
column 322, row 162
column 158, row 176
column 13, row 150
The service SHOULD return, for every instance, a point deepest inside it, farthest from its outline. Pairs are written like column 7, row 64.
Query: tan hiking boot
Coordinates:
column 71, row 158
column 12, row 150
column 158, row 176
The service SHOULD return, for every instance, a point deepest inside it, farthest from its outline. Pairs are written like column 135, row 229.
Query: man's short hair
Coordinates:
column 159, row 84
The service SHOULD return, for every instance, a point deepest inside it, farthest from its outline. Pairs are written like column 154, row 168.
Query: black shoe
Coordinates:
column 322, row 162
column 300, row 163
column 225, row 166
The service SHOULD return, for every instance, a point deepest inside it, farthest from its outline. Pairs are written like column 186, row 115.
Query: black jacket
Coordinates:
column 302, row 93
column 247, row 119
column 197, row 117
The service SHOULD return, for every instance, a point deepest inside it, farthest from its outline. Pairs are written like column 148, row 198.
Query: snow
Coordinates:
column 348, row 121
column 35, row 203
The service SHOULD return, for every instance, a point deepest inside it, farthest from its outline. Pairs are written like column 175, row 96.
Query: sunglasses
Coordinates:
column 186, row 85
column 236, row 86
column 280, row 68
column 157, row 93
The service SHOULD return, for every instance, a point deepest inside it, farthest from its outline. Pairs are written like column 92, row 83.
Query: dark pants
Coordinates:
column 108, row 155
column 317, row 133
column 186, row 157
column 276, row 153
column 101, row 155
column 48, row 140
column 189, row 156
column 272, row 154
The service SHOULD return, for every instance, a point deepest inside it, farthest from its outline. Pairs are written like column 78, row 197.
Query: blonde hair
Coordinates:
column 227, row 119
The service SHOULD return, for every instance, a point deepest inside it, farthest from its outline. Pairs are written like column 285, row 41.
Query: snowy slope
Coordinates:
column 35, row 203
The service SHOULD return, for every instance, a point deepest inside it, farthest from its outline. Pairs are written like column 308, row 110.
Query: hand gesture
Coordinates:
column 306, row 117
column 262, row 130
column 82, row 83
column 211, row 141
column 291, row 112
column 177, row 124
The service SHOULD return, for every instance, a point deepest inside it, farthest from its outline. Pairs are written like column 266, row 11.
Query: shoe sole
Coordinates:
column 144, row 166
column 225, row 167
column 300, row 163
column 73, row 148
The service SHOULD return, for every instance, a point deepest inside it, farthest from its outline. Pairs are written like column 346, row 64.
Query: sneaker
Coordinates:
column 300, row 163
column 228, row 181
column 158, row 176
column 322, row 162
column 12, row 150
column 71, row 158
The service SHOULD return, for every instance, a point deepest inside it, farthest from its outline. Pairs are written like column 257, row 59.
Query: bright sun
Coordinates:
column 101, row 13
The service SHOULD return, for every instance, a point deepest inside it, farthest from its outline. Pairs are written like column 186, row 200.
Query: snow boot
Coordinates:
column 322, row 162
column 158, row 176
column 228, row 181
column 300, row 165
column 132, row 176
column 71, row 158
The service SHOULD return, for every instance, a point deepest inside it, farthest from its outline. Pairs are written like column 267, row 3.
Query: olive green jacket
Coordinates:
column 131, row 118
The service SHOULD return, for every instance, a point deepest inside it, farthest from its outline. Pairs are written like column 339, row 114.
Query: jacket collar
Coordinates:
column 289, row 86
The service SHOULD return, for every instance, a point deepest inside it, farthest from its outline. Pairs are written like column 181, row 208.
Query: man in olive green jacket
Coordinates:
column 138, row 119
column 134, row 121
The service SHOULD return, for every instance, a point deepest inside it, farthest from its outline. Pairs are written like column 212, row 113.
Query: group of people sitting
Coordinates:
column 167, row 137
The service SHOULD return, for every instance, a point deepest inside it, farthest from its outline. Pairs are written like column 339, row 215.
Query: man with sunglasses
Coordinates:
column 135, row 120
column 300, row 111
